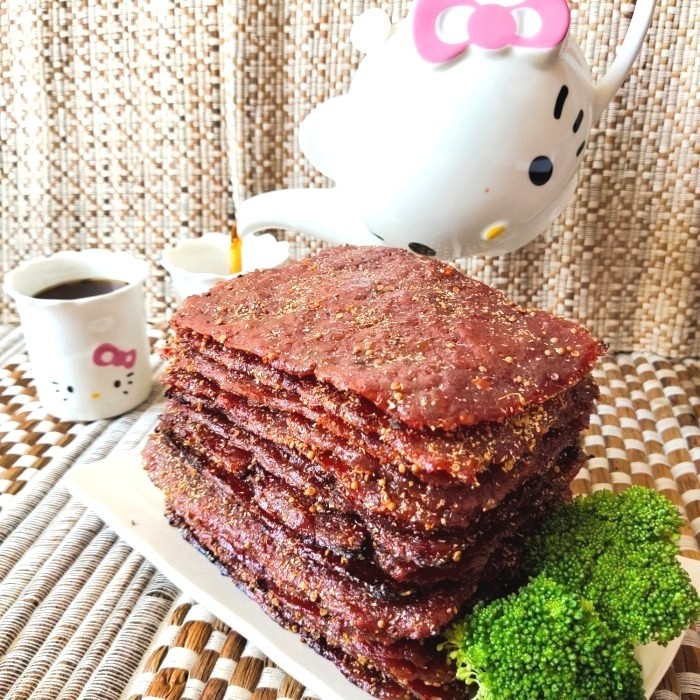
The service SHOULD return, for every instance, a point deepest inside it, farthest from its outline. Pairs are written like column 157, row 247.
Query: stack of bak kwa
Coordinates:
column 361, row 440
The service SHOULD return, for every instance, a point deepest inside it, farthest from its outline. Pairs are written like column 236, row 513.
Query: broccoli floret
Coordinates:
column 619, row 552
column 543, row 643
column 603, row 578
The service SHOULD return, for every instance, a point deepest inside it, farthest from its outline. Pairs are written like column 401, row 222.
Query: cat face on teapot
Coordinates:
column 461, row 134
column 463, row 130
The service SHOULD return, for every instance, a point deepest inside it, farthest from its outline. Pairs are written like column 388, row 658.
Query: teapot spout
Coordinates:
column 608, row 85
column 321, row 213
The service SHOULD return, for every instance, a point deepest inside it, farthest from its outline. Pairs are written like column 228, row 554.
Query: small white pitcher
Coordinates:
column 90, row 356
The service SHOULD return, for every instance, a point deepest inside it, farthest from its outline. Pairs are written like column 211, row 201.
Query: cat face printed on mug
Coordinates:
column 89, row 352
column 112, row 375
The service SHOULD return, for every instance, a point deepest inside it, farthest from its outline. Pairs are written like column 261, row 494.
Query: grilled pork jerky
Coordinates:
column 353, row 529
column 361, row 440
column 431, row 455
column 415, row 337
column 366, row 482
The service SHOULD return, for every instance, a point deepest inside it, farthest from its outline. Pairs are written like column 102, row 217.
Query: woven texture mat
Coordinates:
column 129, row 125
column 83, row 616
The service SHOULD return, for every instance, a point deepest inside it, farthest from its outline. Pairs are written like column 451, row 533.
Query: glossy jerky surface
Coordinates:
column 361, row 441
column 325, row 511
column 415, row 337
column 308, row 455
column 296, row 592
column 306, row 591
column 239, row 525
column 434, row 456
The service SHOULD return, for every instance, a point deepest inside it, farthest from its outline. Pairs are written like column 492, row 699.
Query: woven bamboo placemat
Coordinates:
column 132, row 124
column 83, row 616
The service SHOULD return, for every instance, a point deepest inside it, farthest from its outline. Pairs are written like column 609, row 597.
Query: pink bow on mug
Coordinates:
column 108, row 354
column 490, row 25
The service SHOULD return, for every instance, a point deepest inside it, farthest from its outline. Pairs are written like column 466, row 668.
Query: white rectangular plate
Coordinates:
column 120, row 492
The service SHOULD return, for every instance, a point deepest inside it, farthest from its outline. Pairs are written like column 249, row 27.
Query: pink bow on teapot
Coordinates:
column 490, row 25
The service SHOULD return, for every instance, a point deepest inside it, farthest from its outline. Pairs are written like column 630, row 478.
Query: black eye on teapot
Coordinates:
column 541, row 170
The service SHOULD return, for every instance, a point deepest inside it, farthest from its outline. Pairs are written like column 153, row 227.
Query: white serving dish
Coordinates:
column 120, row 492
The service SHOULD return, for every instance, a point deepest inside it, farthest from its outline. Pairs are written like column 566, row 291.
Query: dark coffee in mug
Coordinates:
column 80, row 289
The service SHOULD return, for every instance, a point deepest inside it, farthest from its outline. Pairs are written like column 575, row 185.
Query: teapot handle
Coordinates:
column 609, row 84
column 322, row 213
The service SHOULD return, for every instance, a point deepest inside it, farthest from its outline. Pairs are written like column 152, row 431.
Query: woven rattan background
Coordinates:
column 110, row 127
column 116, row 120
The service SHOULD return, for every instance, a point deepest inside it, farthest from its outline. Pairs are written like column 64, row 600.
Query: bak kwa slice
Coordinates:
column 312, row 508
column 387, row 395
column 229, row 517
column 431, row 455
column 369, row 484
column 427, row 345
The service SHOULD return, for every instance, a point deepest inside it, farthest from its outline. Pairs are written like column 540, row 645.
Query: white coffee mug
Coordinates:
column 195, row 265
column 89, row 355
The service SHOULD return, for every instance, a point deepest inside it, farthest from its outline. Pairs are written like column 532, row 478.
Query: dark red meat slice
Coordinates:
column 211, row 520
column 398, row 670
column 233, row 519
column 366, row 483
column 413, row 665
column 361, row 440
column 414, row 336
column 464, row 453
column 312, row 508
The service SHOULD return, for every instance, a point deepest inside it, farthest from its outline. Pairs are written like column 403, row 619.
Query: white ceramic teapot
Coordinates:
column 461, row 134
